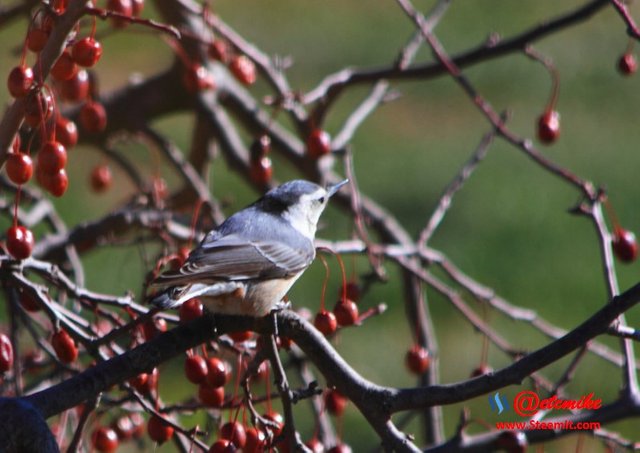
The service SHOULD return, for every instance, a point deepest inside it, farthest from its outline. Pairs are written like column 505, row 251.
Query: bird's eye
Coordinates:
column 321, row 200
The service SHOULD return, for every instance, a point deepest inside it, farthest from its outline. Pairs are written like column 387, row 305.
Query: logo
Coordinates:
column 528, row 403
column 498, row 403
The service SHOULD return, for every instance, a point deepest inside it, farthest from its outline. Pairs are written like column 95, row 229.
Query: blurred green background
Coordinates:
column 509, row 228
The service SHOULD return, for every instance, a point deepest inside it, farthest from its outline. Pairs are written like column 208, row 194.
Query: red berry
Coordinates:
column 218, row 50
column 318, row 143
column 146, row 383
column 138, row 424
column 20, row 81
column 86, row 52
column 93, row 117
column 346, row 312
column 624, row 245
column 153, row 327
column 235, row 432
column 19, row 167
column 627, row 64
column 195, row 369
column 55, row 183
column 52, row 157
column 159, row 431
column 6, row 354
column 59, row 6
column 75, row 89
column 197, row 78
column 104, row 439
column 340, row 448
column 222, row 446
column 276, row 418
column 137, row 6
column 64, row 346
column 124, row 7
column 65, row 67
column 261, row 171
column 325, row 322
column 243, row 69
column 101, row 178
column 140, row 382
column 211, row 396
column 512, row 441
column 417, row 359
column 129, row 426
column 39, row 107
column 38, row 34
column 190, row 310
column 549, row 127
column 66, row 132
column 262, row 373
column 19, row 242
column 256, row 441
column 335, row 402
column 37, row 38
column 217, row 372
column 123, row 427
column 29, row 303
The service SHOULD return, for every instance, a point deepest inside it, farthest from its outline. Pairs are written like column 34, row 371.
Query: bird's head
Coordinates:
column 300, row 203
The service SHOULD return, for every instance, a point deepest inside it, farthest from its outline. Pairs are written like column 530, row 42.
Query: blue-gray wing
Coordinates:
column 233, row 258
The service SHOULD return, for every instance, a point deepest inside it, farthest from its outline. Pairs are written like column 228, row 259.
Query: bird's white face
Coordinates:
column 305, row 213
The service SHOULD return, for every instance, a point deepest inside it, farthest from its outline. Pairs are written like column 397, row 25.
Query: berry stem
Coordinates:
column 325, row 282
column 194, row 221
column 342, row 270
column 186, row 61
column 547, row 62
column 105, row 14
column 15, row 206
column 630, row 45
column 612, row 214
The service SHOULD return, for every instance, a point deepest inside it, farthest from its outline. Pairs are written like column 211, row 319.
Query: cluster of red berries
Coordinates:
column 107, row 439
column 548, row 124
column 345, row 313
column 71, row 84
column 197, row 78
column 241, row 66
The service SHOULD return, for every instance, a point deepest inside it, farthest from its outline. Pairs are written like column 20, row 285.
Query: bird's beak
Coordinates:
column 335, row 187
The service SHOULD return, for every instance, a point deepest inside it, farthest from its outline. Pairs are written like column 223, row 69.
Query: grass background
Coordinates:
column 509, row 228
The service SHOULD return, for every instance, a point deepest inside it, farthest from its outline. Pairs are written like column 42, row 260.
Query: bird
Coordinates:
column 247, row 264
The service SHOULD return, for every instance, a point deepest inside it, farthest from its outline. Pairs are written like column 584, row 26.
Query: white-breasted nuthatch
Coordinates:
column 247, row 264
